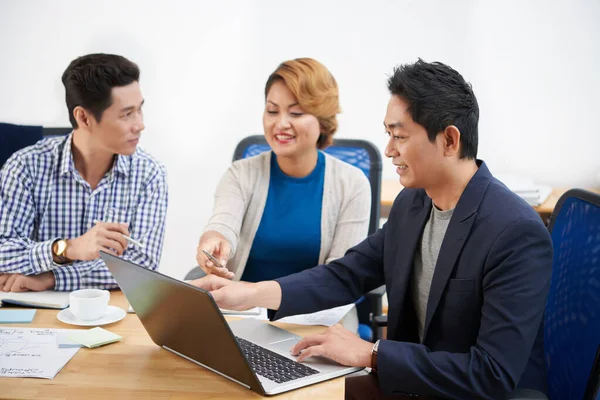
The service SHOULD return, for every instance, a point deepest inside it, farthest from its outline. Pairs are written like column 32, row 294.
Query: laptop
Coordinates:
column 185, row 320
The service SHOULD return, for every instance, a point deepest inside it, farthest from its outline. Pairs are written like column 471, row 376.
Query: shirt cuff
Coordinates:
column 67, row 279
column 40, row 257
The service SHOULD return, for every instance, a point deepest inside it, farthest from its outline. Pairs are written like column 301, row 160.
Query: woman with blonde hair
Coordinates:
column 294, row 207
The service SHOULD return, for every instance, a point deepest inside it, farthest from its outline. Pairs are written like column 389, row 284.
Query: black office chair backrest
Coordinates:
column 52, row 132
column 16, row 137
column 360, row 153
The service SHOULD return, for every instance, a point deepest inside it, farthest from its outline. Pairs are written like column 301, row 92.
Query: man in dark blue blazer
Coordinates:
column 466, row 263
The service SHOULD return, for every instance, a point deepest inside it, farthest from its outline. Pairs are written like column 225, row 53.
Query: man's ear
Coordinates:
column 451, row 141
column 83, row 117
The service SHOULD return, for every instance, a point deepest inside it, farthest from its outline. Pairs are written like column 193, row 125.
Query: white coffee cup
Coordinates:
column 89, row 304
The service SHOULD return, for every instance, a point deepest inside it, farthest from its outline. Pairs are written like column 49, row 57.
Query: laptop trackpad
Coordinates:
column 284, row 346
column 260, row 332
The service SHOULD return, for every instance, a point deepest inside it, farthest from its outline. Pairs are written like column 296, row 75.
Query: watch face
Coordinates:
column 61, row 246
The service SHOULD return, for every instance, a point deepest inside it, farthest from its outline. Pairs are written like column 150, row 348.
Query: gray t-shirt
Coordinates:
column 425, row 259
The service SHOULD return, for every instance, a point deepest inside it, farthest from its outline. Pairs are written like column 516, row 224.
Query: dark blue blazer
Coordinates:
column 483, row 329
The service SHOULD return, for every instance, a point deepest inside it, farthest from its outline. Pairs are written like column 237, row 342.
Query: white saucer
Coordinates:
column 113, row 314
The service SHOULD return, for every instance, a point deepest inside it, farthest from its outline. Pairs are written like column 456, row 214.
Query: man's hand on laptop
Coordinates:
column 338, row 344
column 240, row 296
column 218, row 247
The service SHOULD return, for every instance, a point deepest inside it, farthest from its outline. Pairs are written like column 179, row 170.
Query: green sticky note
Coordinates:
column 94, row 337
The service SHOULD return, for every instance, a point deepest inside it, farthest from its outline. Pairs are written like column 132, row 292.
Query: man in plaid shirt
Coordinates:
column 65, row 199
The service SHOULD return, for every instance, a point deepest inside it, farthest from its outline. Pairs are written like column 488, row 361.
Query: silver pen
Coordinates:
column 140, row 244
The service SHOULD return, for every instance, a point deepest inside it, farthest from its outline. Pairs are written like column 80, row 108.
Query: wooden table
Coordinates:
column 137, row 368
column 391, row 188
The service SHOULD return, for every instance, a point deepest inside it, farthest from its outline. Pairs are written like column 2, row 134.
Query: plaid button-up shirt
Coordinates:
column 43, row 198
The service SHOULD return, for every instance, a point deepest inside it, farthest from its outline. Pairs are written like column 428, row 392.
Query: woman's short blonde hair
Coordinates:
column 316, row 91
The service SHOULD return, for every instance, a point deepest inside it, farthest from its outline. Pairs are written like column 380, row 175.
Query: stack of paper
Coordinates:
column 326, row 317
column 534, row 194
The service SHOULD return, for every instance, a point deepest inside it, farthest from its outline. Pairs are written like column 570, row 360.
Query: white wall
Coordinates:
column 533, row 64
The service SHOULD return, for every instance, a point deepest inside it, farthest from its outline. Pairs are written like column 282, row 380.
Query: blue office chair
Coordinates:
column 360, row 153
column 364, row 155
column 572, row 319
column 592, row 392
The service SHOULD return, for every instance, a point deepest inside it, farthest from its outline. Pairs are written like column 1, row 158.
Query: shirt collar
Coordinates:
column 67, row 164
column 122, row 164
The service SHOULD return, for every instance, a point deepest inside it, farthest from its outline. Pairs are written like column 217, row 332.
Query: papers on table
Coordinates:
column 32, row 353
column 326, row 317
column 534, row 194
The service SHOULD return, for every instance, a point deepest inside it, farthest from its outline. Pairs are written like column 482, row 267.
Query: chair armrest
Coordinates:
column 376, row 298
column 195, row 273
column 380, row 321
column 379, row 292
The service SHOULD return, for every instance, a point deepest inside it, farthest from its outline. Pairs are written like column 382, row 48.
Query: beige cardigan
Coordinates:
column 242, row 194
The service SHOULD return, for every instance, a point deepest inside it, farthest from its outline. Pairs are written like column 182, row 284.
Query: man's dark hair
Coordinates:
column 438, row 96
column 89, row 81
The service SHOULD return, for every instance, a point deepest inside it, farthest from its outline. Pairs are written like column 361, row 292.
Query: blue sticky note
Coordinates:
column 16, row 316
column 63, row 341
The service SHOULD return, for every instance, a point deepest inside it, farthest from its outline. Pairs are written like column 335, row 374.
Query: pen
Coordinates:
column 213, row 259
column 140, row 244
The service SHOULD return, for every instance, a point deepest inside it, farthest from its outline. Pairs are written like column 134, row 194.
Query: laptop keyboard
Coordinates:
column 272, row 365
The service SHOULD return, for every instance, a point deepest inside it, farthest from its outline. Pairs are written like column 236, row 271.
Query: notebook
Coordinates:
column 45, row 299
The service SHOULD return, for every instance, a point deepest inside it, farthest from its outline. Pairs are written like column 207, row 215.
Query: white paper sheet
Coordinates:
column 326, row 317
column 32, row 353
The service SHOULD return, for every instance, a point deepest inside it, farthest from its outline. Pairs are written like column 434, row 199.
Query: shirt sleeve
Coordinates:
column 18, row 253
column 229, row 210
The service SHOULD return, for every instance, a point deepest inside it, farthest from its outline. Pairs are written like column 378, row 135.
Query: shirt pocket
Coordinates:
column 117, row 215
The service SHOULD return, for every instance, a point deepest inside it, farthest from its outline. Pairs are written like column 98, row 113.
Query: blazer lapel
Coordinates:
column 408, row 235
column 455, row 238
